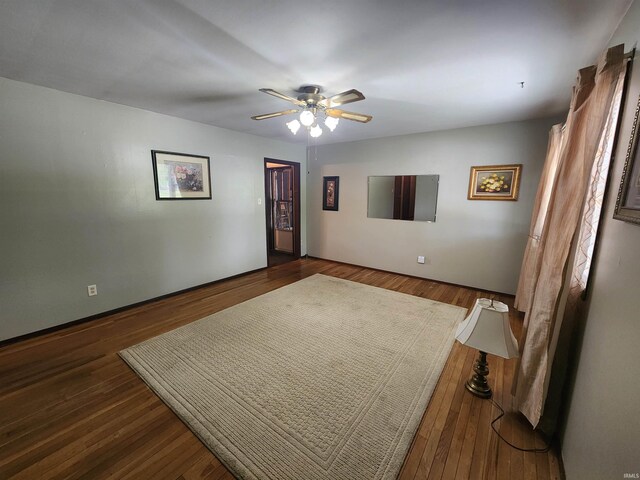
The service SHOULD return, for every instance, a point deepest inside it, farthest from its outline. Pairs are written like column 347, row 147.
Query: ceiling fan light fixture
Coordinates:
column 307, row 118
column 313, row 107
column 315, row 131
column 331, row 123
column 294, row 126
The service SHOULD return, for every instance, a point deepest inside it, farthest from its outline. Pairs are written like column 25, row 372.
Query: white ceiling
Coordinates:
column 422, row 64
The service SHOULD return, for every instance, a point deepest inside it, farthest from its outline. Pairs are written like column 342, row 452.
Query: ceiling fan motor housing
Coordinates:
column 310, row 94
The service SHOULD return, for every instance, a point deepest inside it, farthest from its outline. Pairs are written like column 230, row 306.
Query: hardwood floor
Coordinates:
column 70, row 408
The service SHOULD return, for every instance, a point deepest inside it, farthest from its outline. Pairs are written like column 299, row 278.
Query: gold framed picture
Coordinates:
column 494, row 182
column 628, row 200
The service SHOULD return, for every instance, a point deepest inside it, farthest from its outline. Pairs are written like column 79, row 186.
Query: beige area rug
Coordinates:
column 321, row 379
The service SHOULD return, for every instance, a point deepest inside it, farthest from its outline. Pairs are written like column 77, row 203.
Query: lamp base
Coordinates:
column 478, row 384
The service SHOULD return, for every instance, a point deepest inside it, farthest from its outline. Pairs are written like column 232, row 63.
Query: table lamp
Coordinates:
column 486, row 329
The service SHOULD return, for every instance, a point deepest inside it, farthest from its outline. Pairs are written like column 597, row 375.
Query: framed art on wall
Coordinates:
column 179, row 176
column 330, row 193
column 628, row 200
column 494, row 182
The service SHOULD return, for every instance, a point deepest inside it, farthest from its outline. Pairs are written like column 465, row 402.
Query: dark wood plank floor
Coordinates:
column 70, row 408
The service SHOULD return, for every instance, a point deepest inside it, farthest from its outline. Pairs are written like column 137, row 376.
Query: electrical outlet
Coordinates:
column 420, row 259
column 92, row 290
column 259, row 201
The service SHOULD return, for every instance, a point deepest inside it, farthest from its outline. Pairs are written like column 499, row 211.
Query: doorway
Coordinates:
column 282, row 210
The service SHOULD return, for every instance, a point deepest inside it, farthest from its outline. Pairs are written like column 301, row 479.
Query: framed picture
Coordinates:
column 179, row 176
column 494, row 182
column 330, row 193
column 628, row 201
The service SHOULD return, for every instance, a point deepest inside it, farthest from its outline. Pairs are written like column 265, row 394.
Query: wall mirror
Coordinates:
column 403, row 197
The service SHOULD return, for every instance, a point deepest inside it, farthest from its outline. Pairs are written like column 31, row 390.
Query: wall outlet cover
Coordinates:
column 92, row 290
column 420, row 259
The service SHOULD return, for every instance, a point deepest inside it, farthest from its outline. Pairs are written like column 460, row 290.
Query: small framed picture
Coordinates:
column 330, row 193
column 179, row 176
column 494, row 182
column 628, row 201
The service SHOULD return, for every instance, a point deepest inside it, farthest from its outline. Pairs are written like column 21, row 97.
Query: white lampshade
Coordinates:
column 294, row 126
column 331, row 123
column 307, row 118
column 315, row 131
column 487, row 329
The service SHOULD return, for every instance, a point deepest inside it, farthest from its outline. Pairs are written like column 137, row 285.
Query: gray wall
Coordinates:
column 476, row 243
column 77, row 207
column 601, row 435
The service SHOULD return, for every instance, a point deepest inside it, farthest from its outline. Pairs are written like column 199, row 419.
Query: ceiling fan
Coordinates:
column 312, row 106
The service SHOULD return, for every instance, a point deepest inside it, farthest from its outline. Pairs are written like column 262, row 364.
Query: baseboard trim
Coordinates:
column 412, row 276
column 79, row 321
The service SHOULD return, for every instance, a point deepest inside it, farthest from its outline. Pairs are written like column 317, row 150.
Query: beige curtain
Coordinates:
column 571, row 305
column 584, row 133
column 592, row 207
column 535, row 243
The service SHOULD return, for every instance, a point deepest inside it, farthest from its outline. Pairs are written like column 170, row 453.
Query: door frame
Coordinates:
column 296, row 204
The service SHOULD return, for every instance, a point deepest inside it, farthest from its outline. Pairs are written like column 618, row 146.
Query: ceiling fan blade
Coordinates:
column 264, row 116
column 282, row 96
column 356, row 117
column 349, row 96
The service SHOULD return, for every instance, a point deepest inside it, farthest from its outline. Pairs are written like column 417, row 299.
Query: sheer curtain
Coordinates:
column 577, row 163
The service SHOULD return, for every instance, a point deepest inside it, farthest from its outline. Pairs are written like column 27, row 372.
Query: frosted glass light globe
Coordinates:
column 331, row 123
column 315, row 131
column 307, row 118
column 294, row 126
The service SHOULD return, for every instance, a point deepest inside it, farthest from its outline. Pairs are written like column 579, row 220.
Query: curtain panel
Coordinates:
column 535, row 243
column 573, row 308
column 558, row 217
